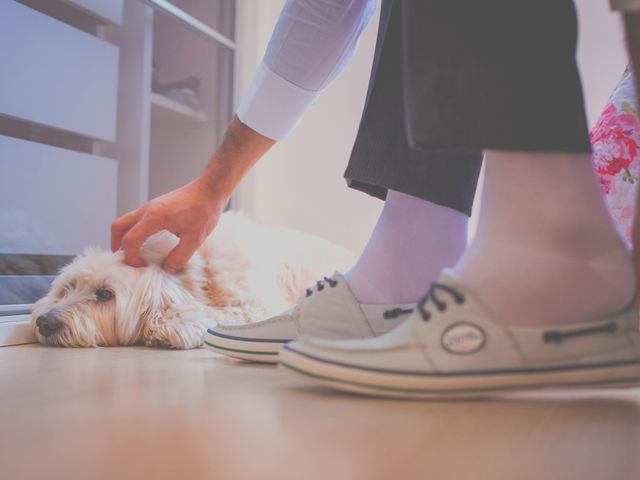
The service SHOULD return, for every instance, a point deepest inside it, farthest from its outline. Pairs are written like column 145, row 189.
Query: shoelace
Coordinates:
column 320, row 285
column 440, row 305
column 396, row 312
column 558, row 336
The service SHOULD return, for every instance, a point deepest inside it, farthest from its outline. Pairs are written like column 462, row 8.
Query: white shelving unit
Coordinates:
column 79, row 109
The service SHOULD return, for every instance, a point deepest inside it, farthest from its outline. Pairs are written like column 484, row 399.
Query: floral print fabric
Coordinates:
column 616, row 143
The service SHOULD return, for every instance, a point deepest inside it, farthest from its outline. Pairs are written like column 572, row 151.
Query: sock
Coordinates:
column 411, row 243
column 545, row 250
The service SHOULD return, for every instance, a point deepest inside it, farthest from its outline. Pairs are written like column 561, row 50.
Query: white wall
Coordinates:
column 300, row 184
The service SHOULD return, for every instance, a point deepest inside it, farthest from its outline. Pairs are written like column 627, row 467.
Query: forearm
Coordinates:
column 632, row 31
column 310, row 45
column 241, row 148
column 630, row 10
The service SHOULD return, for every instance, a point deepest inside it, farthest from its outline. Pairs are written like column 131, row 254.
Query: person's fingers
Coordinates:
column 134, row 238
column 121, row 226
column 180, row 255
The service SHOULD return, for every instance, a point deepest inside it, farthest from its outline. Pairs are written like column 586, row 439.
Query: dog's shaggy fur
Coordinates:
column 243, row 272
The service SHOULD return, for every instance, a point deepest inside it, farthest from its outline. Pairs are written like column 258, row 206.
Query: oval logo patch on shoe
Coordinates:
column 463, row 338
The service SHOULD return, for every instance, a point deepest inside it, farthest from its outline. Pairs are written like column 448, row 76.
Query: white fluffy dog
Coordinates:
column 243, row 272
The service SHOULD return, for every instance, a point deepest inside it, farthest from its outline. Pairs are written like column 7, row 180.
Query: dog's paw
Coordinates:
column 176, row 335
column 168, row 344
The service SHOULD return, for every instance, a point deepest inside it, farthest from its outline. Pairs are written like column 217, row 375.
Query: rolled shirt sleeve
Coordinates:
column 312, row 42
column 625, row 5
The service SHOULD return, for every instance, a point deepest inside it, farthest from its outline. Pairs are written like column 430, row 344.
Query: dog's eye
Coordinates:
column 104, row 294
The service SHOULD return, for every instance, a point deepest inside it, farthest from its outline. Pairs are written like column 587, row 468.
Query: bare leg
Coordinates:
column 546, row 250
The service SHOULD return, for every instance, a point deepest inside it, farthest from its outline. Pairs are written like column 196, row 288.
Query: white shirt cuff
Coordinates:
column 625, row 5
column 273, row 106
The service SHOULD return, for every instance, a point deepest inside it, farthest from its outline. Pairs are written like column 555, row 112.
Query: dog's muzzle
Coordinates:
column 48, row 324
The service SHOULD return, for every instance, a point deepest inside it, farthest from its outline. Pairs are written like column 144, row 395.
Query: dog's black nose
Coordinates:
column 48, row 324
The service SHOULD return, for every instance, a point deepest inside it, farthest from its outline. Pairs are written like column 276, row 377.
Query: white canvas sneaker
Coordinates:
column 327, row 310
column 452, row 346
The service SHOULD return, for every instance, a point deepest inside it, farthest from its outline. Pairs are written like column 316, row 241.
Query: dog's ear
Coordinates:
column 166, row 314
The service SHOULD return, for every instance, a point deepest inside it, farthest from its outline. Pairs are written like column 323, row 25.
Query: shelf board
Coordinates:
column 166, row 104
column 191, row 22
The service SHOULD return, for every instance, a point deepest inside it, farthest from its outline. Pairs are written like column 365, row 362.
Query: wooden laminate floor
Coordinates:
column 137, row 413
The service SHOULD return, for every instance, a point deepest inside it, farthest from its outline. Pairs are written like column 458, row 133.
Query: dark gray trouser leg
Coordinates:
column 382, row 158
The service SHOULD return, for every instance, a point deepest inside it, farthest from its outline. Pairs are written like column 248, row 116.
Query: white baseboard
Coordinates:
column 15, row 330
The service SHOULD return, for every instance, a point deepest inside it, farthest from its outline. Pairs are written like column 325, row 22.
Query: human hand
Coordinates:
column 190, row 212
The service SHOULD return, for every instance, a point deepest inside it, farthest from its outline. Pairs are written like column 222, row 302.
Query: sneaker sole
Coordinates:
column 252, row 351
column 474, row 385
